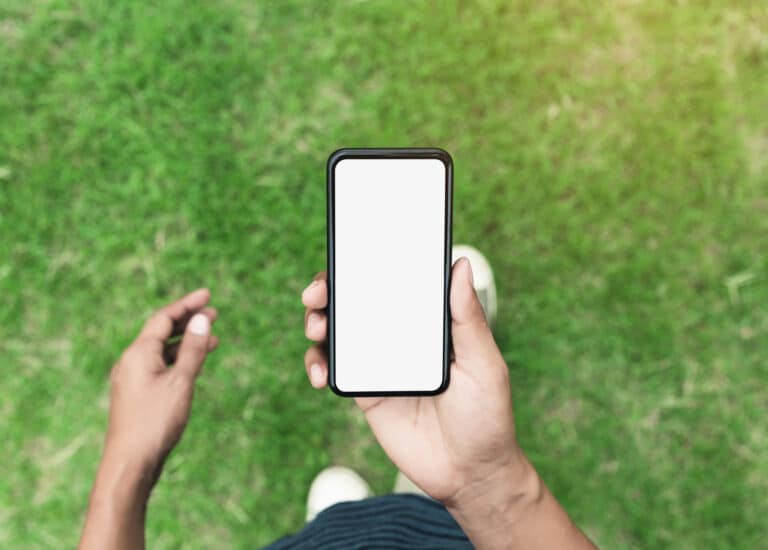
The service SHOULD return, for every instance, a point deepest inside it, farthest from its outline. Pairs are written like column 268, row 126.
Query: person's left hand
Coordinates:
column 150, row 399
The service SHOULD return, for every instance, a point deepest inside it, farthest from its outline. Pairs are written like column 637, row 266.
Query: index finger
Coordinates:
column 159, row 327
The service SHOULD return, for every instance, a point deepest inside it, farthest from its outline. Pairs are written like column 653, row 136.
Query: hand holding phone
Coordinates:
column 391, row 307
column 381, row 314
column 456, row 442
column 454, row 445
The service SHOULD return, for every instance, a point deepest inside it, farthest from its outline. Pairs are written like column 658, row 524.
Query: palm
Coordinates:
column 431, row 438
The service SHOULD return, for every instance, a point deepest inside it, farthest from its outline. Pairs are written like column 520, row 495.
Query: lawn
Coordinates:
column 611, row 160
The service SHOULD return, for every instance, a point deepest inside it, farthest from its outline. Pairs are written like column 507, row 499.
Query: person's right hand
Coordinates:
column 456, row 446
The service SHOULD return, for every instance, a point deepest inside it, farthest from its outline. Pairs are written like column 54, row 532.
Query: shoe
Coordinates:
column 404, row 485
column 333, row 485
column 483, row 277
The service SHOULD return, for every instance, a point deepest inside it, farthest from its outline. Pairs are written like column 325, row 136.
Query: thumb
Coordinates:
column 194, row 346
column 471, row 335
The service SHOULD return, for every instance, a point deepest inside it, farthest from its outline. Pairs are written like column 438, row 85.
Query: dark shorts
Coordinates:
column 391, row 521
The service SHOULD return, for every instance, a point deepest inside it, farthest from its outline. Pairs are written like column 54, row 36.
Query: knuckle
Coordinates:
column 159, row 314
column 152, row 319
column 158, row 319
column 199, row 345
column 132, row 354
column 182, row 381
column 125, row 358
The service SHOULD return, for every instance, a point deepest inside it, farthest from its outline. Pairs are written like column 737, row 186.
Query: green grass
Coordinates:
column 611, row 160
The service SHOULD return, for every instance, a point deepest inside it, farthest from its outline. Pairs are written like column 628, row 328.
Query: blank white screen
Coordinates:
column 389, row 266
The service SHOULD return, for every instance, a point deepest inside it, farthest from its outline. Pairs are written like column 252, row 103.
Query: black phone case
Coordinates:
column 375, row 153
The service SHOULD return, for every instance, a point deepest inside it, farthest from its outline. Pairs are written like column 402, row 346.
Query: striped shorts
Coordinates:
column 390, row 521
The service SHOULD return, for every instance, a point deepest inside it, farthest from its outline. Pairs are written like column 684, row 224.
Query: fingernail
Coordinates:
column 316, row 374
column 199, row 324
column 469, row 267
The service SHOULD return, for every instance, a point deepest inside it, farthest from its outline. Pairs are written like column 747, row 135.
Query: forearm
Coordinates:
column 117, row 507
column 515, row 510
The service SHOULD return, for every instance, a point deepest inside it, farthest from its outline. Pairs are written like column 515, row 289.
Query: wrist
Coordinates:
column 122, row 478
column 500, row 498
column 118, row 503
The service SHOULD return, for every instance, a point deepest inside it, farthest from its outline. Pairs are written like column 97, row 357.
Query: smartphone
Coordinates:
column 389, row 266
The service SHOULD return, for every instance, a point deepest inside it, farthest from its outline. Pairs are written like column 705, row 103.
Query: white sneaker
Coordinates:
column 483, row 277
column 333, row 485
column 403, row 484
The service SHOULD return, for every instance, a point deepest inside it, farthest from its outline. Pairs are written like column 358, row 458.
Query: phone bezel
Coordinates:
column 389, row 153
